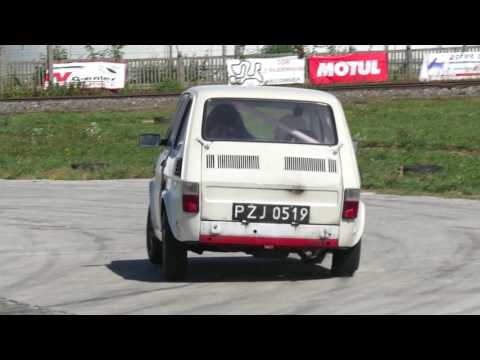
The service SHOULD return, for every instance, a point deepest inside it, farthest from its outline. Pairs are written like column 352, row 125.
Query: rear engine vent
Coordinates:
column 210, row 161
column 332, row 166
column 304, row 164
column 238, row 162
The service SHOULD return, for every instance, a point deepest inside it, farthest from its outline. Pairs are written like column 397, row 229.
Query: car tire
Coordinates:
column 174, row 254
column 154, row 245
column 346, row 262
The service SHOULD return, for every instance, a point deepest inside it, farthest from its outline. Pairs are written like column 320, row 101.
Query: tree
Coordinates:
column 59, row 53
column 332, row 49
column 284, row 49
column 113, row 52
column 116, row 51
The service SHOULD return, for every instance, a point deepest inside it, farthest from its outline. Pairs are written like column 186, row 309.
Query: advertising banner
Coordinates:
column 348, row 68
column 450, row 66
column 95, row 74
column 266, row 71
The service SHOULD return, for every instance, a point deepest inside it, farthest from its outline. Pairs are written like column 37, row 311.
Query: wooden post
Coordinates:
column 408, row 62
column 50, row 65
column 180, row 70
column 169, row 63
column 2, row 70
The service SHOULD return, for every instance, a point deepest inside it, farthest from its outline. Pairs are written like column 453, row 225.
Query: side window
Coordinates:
column 177, row 119
column 180, row 140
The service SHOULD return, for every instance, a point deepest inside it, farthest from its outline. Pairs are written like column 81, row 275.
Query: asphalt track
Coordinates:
column 78, row 248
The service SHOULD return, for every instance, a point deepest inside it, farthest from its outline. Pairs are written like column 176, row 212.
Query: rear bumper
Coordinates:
column 268, row 242
column 268, row 235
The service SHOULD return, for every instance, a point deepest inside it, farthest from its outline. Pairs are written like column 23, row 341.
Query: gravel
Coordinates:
column 143, row 103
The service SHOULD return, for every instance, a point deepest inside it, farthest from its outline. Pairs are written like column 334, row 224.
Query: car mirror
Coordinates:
column 151, row 140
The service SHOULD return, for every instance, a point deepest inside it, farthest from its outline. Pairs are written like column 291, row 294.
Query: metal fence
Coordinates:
column 404, row 65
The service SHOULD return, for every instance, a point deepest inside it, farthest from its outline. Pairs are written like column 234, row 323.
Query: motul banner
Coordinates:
column 348, row 68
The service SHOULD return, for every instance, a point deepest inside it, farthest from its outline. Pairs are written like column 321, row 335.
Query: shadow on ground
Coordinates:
column 224, row 269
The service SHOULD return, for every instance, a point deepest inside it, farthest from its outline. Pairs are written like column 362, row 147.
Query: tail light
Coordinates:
column 350, row 203
column 190, row 197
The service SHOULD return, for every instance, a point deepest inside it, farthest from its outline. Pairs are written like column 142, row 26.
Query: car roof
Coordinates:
column 262, row 92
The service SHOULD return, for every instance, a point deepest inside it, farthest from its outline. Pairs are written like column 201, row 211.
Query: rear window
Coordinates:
column 276, row 121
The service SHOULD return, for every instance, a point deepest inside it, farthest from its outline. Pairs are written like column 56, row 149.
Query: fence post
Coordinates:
column 408, row 62
column 50, row 65
column 180, row 70
column 2, row 70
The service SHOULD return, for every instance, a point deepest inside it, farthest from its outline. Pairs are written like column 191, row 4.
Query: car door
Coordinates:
column 160, row 180
column 172, row 164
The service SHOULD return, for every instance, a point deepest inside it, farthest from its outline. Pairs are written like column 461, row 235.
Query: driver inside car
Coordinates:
column 295, row 121
column 225, row 122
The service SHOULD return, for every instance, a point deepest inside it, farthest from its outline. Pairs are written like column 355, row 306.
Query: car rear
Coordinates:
column 276, row 181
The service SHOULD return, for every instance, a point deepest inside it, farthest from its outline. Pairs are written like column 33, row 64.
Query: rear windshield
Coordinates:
column 276, row 121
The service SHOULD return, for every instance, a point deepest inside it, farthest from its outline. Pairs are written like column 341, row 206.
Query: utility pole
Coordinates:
column 50, row 65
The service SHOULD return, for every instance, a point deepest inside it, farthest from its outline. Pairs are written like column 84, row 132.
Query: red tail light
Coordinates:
column 190, row 203
column 350, row 203
column 190, row 198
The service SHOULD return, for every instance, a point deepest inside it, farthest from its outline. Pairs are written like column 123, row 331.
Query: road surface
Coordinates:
column 77, row 247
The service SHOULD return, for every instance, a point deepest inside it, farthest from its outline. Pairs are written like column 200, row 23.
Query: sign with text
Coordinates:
column 348, row 68
column 450, row 66
column 266, row 71
column 95, row 74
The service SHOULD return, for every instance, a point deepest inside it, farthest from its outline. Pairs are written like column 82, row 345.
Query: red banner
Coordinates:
column 348, row 68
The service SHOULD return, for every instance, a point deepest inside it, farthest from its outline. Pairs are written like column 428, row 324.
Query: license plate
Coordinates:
column 271, row 213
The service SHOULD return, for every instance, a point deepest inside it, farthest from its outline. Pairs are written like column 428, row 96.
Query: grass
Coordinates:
column 45, row 145
column 443, row 132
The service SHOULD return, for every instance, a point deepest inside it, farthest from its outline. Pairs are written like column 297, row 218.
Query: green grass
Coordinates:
column 444, row 132
column 44, row 145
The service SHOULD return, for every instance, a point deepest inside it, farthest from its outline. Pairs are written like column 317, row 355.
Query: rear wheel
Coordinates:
column 154, row 245
column 346, row 262
column 174, row 253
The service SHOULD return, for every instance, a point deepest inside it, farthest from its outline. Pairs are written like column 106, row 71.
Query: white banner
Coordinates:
column 450, row 66
column 95, row 74
column 270, row 71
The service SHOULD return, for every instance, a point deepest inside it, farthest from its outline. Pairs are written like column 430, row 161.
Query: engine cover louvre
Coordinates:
column 233, row 161
column 304, row 164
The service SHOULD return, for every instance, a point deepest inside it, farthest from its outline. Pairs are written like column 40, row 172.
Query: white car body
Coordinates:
column 199, row 183
column 224, row 173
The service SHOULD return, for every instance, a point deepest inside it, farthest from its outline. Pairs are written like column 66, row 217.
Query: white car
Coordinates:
column 267, row 171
